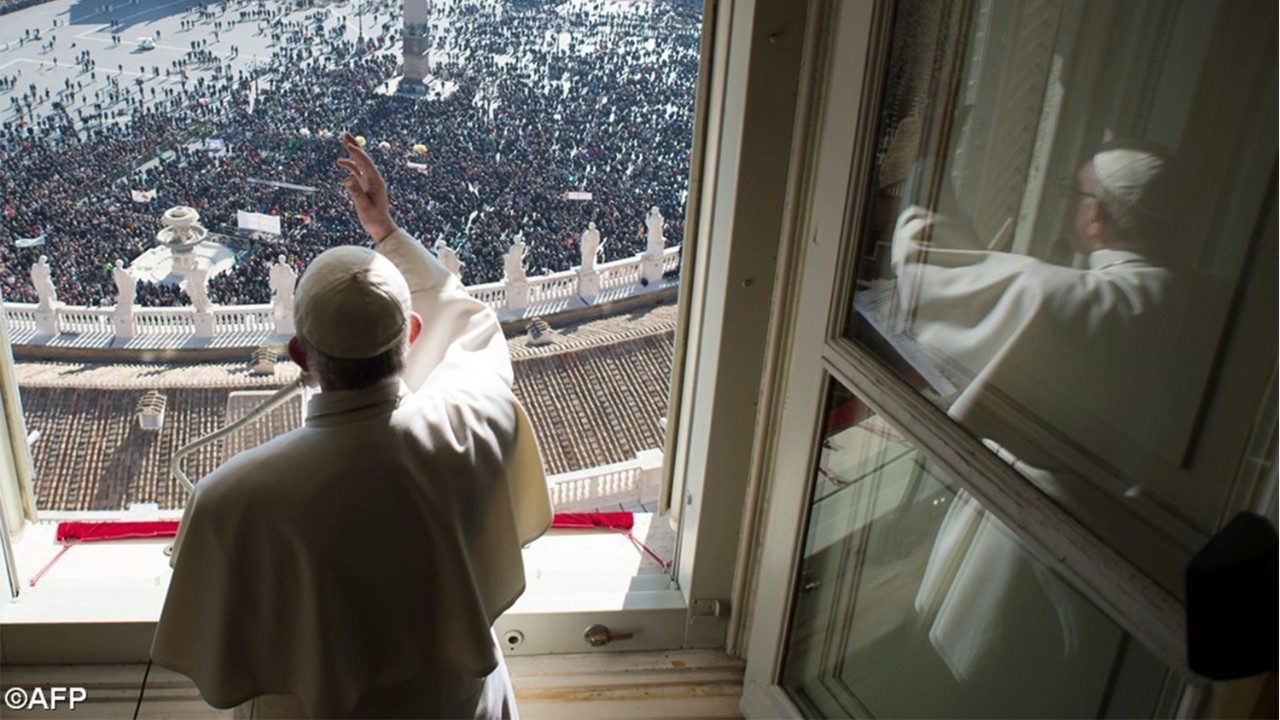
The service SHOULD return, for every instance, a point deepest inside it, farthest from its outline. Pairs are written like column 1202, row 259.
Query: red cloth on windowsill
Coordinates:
column 86, row 531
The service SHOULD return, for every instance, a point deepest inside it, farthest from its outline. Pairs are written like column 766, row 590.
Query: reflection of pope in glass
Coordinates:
column 1058, row 365
column 1064, row 372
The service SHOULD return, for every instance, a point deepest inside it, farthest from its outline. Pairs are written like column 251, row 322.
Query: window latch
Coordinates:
column 598, row 635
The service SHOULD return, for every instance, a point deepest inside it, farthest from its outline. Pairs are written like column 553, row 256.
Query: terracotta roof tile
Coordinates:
column 595, row 397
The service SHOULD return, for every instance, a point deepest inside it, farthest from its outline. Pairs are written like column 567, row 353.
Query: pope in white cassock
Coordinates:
column 354, row 567
column 1058, row 367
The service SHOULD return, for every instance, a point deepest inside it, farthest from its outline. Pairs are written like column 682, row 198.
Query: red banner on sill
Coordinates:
column 86, row 531
column 589, row 520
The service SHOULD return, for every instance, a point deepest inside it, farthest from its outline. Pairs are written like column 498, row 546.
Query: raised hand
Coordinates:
column 367, row 189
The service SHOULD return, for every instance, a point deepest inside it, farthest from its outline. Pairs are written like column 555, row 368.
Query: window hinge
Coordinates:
column 711, row 607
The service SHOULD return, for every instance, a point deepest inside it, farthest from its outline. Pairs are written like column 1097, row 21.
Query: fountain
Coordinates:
column 181, row 233
column 182, row 246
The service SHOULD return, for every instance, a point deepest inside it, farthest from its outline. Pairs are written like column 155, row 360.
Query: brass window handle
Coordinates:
column 598, row 635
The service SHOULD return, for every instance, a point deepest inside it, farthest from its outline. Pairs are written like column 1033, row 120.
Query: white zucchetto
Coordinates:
column 351, row 303
column 1128, row 177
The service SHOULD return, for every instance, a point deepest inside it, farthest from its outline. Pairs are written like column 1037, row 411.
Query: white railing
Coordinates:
column 493, row 294
column 164, row 321
column 609, row 484
column 619, row 272
column 242, row 319
column 84, row 320
column 21, row 317
column 628, row 483
column 256, row 324
column 556, row 286
column 670, row 259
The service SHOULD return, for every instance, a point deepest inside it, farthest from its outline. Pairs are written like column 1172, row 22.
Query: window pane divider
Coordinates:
column 1136, row 602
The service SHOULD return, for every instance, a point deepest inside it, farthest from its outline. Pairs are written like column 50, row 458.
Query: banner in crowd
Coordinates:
column 420, row 167
column 143, row 195
column 285, row 185
column 258, row 221
column 577, row 195
column 30, row 241
column 215, row 144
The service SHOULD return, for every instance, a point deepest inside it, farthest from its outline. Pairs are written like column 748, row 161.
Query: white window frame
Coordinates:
column 739, row 167
column 751, row 108
column 846, row 45
column 10, row 456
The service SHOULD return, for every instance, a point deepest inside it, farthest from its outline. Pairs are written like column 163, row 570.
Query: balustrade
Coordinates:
column 33, row 323
column 624, row 483
column 549, row 288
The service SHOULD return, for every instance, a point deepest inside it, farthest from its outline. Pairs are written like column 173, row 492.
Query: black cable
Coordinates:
column 141, row 690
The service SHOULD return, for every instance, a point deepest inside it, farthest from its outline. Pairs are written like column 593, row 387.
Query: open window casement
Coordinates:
column 17, row 498
column 914, row 561
column 16, row 493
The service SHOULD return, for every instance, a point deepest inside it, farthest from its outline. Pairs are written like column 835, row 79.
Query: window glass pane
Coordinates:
column 914, row 601
column 1065, row 229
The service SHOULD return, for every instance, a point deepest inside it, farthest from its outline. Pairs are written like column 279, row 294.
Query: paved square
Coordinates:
column 171, row 26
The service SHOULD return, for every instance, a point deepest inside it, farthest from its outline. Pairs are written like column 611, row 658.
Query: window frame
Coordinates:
column 751, row 111
column 849, row 42
column 15, row 465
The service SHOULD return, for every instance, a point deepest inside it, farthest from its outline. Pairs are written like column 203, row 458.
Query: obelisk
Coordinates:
column 416, row 46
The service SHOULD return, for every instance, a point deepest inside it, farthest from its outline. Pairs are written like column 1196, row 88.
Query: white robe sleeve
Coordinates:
column 462, row 353
column 459, row 333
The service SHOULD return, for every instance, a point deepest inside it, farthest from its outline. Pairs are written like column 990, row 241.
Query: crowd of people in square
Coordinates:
column 527, row 101
column 8, row 6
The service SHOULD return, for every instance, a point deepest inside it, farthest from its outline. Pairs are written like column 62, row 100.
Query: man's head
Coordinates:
column 353, row 318
column 1124, row 198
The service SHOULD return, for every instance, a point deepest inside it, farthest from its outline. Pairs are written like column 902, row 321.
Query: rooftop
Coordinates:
column 595, row 396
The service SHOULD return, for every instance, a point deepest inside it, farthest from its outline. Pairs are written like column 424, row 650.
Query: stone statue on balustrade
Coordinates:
column 654, row 222
column 513, row 263
column 197, row 291
column 45, row 292
column 588, row 278
column 651, row 261
column 46, row 309
column 281, row 281
column 448, row 258
column 126, row 289
column 126, row 286
column 517, row 284
column 199, row 295
column 591, row 246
